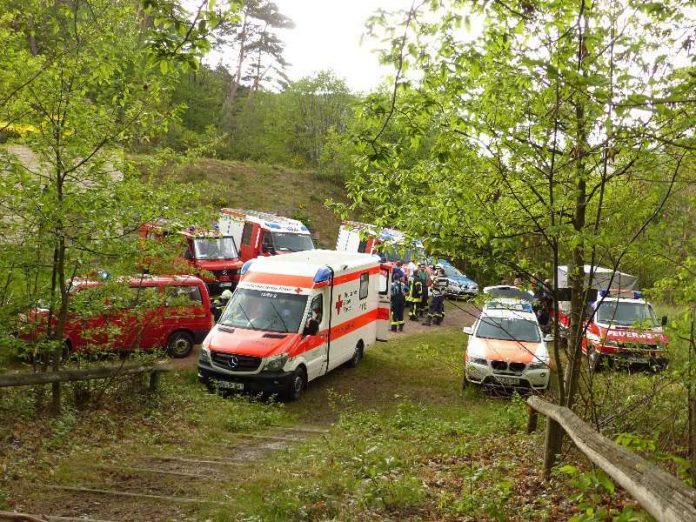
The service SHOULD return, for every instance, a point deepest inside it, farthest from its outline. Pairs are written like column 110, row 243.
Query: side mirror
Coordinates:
column 468, row 330
column 548, row 338
column 312, row 327
column 664, row 320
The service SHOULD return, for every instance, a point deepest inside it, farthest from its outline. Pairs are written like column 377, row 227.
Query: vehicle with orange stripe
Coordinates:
column 295, row 317
column 507, row 348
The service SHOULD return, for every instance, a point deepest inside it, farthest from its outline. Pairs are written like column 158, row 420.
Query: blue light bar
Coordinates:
column 273, row 225
column 304, row 229
column 527, row 307
column 604, row 292
column 637, row 294
column 245, row 267
column 323, row 274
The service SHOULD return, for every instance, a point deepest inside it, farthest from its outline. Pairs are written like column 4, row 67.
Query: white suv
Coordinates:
column 507, row 348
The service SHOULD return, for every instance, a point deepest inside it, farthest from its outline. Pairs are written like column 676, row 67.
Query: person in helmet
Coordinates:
column 225, row 296
column 436, row 310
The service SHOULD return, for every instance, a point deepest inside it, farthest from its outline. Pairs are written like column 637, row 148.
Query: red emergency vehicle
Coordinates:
column 620, row 325
column 210, row 254
column 171, row 312
column 264, row 234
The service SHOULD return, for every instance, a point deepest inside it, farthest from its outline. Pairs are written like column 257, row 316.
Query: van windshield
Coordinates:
column 215, row 248
column 521, row 330
column 289, row 242
column 626, row 314
column 263, row 310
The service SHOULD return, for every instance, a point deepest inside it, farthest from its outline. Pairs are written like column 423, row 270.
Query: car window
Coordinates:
column 182, row 296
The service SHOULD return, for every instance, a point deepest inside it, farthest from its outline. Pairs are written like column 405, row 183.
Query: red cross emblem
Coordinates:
column 298, row 290
column 339, row 304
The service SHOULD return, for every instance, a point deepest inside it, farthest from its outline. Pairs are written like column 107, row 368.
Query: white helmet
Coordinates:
column 227, row 294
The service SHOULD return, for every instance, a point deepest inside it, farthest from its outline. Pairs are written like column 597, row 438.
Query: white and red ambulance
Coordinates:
column 390, row 244
column 264, row 234
column 293, row 318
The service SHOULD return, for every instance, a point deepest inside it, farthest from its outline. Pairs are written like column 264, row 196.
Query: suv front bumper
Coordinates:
column 529, row 379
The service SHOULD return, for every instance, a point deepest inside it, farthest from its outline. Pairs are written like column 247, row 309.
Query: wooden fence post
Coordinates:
column 532, row 419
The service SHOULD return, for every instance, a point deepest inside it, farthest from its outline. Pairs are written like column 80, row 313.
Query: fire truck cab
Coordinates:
column 263, row 233
column 205, row 252
column 293, row 318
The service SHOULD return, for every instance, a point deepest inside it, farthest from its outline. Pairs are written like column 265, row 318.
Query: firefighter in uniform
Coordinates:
column 436, row 311
column 427, row 281
column 415, row 295
column 398, row 302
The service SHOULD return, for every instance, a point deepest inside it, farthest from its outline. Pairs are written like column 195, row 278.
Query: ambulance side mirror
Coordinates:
column 468, row 330
column 664, row 320
column 548, row 338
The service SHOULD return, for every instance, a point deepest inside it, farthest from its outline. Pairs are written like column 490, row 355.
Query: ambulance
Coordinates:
column 390, row 244
column 294, row 318
column 264, row 234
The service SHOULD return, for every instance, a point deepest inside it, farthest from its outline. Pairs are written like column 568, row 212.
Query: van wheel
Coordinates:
column 180, row 344
column 357, row 356
column 298, row 383
column 594, row 360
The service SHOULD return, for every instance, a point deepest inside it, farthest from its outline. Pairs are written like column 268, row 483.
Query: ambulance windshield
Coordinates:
column 264, row 310
column 626, row 314
column 215, row 248
column 290, row 242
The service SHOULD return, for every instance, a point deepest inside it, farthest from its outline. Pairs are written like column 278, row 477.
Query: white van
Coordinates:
column 294, row 318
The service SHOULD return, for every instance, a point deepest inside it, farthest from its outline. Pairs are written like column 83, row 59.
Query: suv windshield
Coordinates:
column 289, row 242
column 215, row 248
column 261, row 310
column 626, row 314
column 521, row 330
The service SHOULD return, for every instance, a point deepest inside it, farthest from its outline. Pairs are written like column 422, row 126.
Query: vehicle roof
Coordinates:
column 509, row 303
column 308, row 262
column 505, row 313
column 384, row 234
column 621, row 300
column 144, row 280
column 268, row 221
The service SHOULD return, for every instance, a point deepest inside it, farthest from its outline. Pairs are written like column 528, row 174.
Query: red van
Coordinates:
column 171, row 312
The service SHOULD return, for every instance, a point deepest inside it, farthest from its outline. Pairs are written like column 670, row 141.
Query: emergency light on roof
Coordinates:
column 245, row 267
column 323, row 274
column 273, row 225
column 604, row 292
column 637, row 294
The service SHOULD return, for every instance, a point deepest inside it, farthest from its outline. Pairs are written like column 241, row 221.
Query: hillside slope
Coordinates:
column 298, row 194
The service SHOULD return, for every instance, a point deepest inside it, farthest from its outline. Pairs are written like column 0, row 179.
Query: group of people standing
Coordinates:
column 421, row 289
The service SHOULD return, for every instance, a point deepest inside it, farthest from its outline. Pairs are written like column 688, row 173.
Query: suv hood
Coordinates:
column 510, row 351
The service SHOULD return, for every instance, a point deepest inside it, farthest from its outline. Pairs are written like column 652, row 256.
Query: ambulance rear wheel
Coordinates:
column 357, row 356
column 298, row 383
column 180, row 344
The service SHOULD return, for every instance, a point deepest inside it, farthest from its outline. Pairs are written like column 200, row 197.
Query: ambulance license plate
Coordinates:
column 508, row 381
column 227, row 385
column 225, row 285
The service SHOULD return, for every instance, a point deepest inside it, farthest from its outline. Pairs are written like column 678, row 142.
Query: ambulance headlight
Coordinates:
column 275, row 363
column 478, row 360
column 538, row 365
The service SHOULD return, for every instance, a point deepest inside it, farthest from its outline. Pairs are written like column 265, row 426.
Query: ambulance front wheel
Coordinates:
column 297, row 385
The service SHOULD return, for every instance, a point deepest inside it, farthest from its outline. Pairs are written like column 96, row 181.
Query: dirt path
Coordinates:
column 152, row 486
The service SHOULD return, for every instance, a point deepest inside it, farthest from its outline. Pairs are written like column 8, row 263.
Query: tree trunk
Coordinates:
column 692, row 396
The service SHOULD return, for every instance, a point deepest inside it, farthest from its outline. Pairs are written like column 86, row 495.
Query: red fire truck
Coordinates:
column 209, row 254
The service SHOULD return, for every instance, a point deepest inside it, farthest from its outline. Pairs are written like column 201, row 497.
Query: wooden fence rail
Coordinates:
column 85, row 374
column 662, row 495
